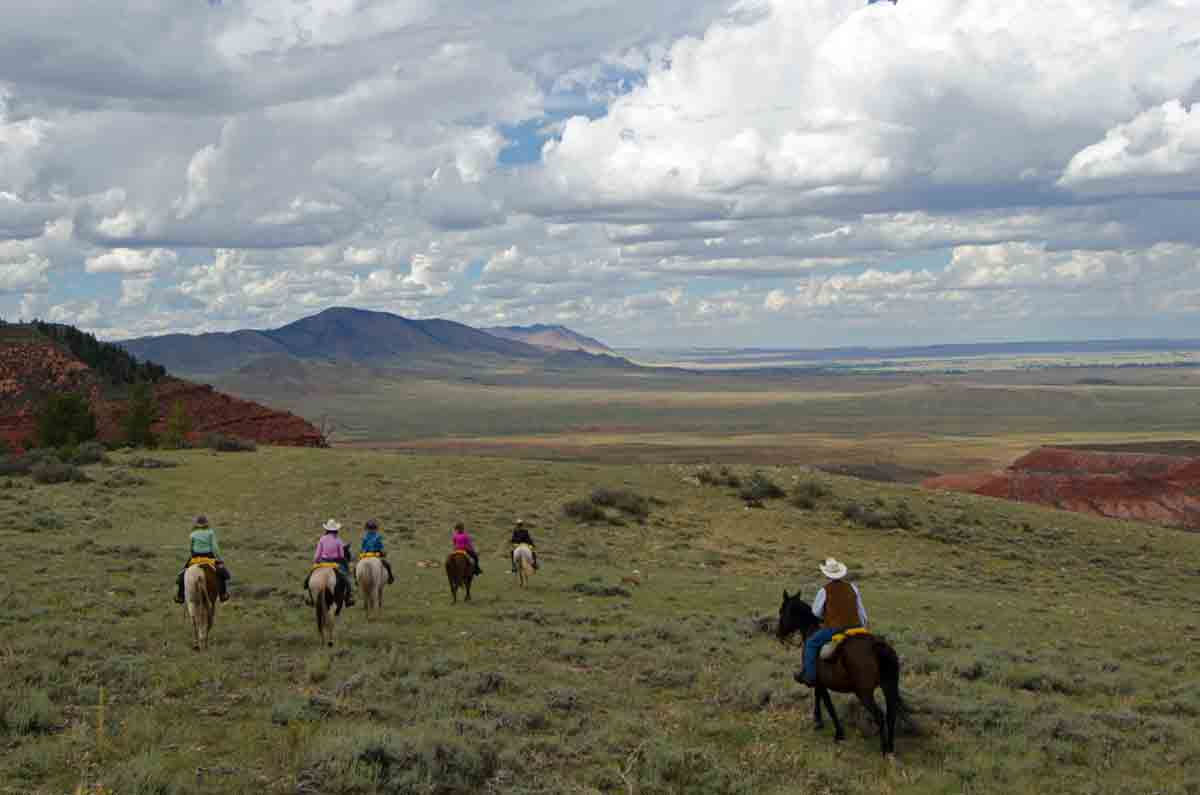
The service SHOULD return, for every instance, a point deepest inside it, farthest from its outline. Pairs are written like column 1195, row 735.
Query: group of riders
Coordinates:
column 331, row 548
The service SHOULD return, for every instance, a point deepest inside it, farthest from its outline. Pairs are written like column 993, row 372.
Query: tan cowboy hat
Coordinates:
column 833, row 569
column 332, row 526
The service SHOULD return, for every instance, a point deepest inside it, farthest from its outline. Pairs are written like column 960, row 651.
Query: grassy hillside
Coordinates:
column 1042, row 650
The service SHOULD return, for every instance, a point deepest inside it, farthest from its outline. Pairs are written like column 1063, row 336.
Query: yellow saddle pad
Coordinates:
column 850, row 633
column 203, row 561
column 366, row 555
column 325, row 565
column 460, row 552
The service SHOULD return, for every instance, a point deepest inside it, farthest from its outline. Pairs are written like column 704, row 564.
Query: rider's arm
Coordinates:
column 818, row 605
column 862, row 611
column 216, row 550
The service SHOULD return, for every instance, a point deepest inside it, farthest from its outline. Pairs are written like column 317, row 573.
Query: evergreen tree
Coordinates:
column 143, row 412
column 65, row 420
column 179, row 425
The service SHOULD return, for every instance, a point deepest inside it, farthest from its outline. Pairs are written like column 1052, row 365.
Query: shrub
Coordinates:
column 144, row 774
column 584, row 511
column 296, row 708
column 30, row 712
column 383, row 760
column 760, row 487
column 88, row 453
column 722, row 477
column 151, row 463
column 591, row 589
column 48, row 521
column 15, row 465
column 142, row 413
column 55, row 471
column 179, row 426
column 229, row 444
column 623, row 500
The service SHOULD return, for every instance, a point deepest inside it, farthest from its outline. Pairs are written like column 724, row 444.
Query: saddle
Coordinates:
column 830, row 649
column 203, row 560
column 462, row 552
column 327, row 564
column 366, row 555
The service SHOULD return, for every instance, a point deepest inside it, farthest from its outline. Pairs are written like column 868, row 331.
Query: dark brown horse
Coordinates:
column 862, row 663
column 460, row 570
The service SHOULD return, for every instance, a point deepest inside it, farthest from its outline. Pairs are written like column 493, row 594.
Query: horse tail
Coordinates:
column 321, row 607
column 889, row 680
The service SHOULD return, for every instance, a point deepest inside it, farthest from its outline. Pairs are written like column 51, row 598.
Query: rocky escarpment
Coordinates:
column 33, row 367
column 1163, row 489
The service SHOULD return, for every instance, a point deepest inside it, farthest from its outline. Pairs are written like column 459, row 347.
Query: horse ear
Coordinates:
column 785, row 595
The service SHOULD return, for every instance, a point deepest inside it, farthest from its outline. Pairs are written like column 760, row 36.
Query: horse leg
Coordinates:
column 838, row 734
column 468, row 586
column 868, row 701
column 818, row 721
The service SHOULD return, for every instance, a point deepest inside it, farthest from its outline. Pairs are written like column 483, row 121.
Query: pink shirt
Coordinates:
column 328, row 548
column 463, row 541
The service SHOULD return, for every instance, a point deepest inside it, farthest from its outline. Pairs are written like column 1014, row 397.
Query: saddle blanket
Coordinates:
column 203, row 561
column 366, row 555
column 460, row 552
column 830, row 648
column 325, row 565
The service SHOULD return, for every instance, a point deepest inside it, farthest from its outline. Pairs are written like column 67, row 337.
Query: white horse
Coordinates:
column 371, row 579
column 200, row 589
column 322, row 586
column 523, row 561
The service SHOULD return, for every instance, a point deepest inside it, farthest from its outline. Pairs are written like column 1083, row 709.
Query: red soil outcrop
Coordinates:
column 32, row 368
column 1163, row 489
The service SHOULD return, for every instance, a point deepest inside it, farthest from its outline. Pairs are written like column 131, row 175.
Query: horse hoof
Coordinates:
column 837, row 738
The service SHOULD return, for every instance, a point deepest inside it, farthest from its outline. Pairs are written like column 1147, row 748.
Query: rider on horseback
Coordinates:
column 204, row 545
column 372, row 543
column 839, row 606
column 520, row 535
column 331, row 549
column 462, row 542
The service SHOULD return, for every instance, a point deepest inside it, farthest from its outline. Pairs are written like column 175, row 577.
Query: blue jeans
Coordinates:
column 812, row 649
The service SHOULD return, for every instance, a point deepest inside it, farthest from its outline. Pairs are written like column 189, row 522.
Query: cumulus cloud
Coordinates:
column 129, row 260
column 685, row 168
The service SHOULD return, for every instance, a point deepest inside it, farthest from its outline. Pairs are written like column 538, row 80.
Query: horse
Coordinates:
column 371, row 579
column 200, row 591
column 862, row 664
column 322, row 586
column 523, row 561
column 460, row 570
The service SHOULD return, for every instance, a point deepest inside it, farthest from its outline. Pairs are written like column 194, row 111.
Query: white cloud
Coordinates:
column 25, row 275
column 130, row 260
column 1158, row 151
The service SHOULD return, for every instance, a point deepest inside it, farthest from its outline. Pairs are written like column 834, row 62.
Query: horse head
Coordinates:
column 795, row 615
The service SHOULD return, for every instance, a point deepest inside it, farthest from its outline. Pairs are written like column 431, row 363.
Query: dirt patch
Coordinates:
column 880, row 472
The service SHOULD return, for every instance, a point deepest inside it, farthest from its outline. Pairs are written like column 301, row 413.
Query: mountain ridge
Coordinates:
column 348, row 334
column 556, row 337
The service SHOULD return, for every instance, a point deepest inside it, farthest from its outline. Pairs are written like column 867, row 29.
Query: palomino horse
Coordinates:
column 200, row 590
column 371, row 579
column 460, row 570
column 322, row 586
column 523, row 561
column 861, row 664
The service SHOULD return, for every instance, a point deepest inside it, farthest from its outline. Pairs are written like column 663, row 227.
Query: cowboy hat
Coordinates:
column 201, row 521
column 332, row 526
column 372, row 524
column 833, row 569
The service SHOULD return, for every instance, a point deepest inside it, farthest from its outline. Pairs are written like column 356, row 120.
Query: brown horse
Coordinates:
column 460, row 570
column 861, row 664
column 200, row 590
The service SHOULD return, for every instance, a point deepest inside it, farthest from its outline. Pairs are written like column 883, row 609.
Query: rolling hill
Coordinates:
column 356, row 335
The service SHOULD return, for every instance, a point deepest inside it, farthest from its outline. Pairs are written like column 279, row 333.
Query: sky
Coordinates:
column 777, row 173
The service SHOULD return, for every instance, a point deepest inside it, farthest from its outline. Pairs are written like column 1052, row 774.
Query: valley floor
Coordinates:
column 1042, row 651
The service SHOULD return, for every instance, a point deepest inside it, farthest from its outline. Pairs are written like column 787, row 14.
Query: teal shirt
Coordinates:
column 204, row 542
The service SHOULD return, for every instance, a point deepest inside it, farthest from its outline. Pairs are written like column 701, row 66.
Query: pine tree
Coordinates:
column 143, row 413
column 179, row 425
column 65, row 420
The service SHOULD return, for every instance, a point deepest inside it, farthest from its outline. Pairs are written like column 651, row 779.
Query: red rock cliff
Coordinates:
column 1162, row 489
column 32, row 367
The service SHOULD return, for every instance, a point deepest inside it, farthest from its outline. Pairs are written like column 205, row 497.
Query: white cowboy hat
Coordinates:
column 833, row 569
column 332, row 526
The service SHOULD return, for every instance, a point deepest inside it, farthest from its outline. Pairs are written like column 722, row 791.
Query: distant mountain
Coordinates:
column 556, row 337
column 339, row 333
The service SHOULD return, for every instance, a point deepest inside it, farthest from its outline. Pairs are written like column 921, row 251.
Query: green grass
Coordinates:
column 1041, row 649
